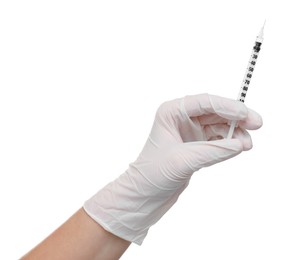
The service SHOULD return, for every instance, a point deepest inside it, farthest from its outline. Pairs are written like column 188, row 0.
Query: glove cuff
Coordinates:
column 112, row 224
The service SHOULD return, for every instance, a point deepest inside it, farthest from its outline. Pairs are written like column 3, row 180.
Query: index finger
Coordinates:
column 205, row 104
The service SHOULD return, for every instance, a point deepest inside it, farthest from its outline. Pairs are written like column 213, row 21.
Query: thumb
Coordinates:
column 206, row 153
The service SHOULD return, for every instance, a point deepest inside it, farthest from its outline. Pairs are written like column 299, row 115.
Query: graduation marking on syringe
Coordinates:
column 248, row 75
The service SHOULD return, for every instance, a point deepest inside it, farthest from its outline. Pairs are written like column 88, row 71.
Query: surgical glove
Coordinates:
column 187, row 135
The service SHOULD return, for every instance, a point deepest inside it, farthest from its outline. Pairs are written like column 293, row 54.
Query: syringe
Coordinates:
column 247, row 76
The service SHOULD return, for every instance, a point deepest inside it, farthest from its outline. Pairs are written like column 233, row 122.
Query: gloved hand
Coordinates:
column 186, row 136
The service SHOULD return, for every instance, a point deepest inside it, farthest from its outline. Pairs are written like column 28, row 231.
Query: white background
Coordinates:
column 80, row 82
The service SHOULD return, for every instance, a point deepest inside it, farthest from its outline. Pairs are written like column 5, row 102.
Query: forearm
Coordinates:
column 78, row 238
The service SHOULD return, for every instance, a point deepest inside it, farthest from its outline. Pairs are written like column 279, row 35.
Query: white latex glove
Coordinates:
column 186, row 136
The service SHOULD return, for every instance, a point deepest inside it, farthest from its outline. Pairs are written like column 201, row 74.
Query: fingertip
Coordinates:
column 244, row 137
column 253, row 121
column 259, row 122
column 247, row 145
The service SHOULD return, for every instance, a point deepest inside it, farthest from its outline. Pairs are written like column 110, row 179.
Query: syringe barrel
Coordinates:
column 247, row 76
column 249, row 70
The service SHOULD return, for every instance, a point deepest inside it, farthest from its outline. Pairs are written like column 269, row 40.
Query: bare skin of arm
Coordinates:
column 80, row 237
